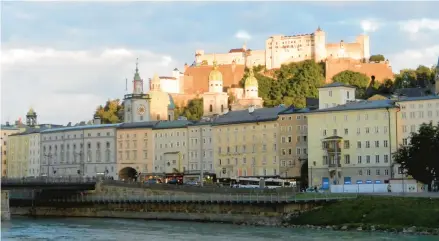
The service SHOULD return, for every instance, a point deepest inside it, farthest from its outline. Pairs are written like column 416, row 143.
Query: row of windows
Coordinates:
column 194, row 154
column 244, row 160
column 419, row 114
column 244, row 137
column 335, row 160
column 299, row 128
column 265, row 126
column 81, row 146
column 73, row 157
column 299, row 151
column 420, row 106
column 367, row 130
column 298, row 117
column 377, row 172
column 243, row 149
column 74, row 136
column 289, row 139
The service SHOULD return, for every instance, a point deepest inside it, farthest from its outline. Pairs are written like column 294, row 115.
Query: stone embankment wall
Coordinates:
column 5, row 212
column 254, row 214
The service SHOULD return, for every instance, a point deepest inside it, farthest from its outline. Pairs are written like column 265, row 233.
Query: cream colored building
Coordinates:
column 172, row 84
column 282, row 49
column 18, row 155
column 413, row 113
column 200, row 147
column 293, row 141
column 5, row 132
column 135, row 149
column 351, row 142
column 34, row 165
column 170, row 146
column 245, row 143
column 250, row 96
column 88, row 151
column 162, row 105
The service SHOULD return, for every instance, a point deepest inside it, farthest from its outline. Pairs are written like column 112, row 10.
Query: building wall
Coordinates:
column 170, row 146
column 132, row 109
column 89, row 151
column 17, row 156
column 293, row 143
column 135, row 149
column 411, row 116
column 218, row 101
column 34, row 155
column 246, row 149
column 331, row 97
column 362, row 126
column 200, row 148
column 381, row 71
column 4, row 133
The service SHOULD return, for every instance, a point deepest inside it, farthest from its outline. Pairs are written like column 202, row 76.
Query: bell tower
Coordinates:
column 31, row 118
column 136, row 105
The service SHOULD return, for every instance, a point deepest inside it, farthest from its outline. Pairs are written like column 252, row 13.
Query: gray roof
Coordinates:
column 172, row 124
column 77, row 128
column 412, row 92
column 337, row 84
column 293, row 110
column 9, row 127
column 244, row 116
column 144, row 124
column 429, row 97
column 361, row 105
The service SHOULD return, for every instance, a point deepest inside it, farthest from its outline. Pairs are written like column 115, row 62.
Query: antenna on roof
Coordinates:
column 126, row 84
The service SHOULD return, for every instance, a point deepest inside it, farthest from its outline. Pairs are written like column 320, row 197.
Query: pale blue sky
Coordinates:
column 55, row 49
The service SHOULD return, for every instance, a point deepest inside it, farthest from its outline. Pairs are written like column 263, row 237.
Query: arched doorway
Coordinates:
column 128, row 173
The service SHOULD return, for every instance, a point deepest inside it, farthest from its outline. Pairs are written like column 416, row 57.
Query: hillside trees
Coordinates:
column 193, row 110
column 359, row 80
column 291, row 85
column 420, row 159
column 421, row 76
column 377, row 58
column 111, row 112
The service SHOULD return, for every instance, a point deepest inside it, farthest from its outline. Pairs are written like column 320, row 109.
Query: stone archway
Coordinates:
column 127, row 173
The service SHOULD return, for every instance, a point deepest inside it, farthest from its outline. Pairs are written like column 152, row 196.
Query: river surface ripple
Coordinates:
column 56, row 229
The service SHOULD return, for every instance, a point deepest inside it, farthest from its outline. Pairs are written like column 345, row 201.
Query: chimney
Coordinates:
column 251, row 109
column 96, row 120
column 185, row 67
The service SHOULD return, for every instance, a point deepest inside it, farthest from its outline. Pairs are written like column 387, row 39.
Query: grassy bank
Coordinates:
column 384, row 212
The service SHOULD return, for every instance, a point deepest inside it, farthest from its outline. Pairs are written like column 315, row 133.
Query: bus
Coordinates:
column 254, row 182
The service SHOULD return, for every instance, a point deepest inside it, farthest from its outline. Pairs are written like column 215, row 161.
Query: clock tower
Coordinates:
column 136, row 105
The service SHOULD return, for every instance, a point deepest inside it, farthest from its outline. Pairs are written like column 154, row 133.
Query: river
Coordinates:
column 85, row 229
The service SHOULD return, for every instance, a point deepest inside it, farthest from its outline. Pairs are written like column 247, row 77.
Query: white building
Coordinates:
column 34, row 155
column 172, row 84
column 86, row 151
column 200, row 148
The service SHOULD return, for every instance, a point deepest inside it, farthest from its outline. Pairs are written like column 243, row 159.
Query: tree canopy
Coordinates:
column 193, row 110
column 377, row 58
column 420, row 159
column 352, row 78
column 291, row 84
column 421, row 76
column 111, row 113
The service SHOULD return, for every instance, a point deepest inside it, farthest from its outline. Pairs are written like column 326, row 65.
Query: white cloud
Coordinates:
column 412, row 58
column 370, row 25
column 417, row 25
column 243, row 35
column 65, row 86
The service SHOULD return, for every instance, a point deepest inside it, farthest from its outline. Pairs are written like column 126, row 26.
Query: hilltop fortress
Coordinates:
column 280, row 49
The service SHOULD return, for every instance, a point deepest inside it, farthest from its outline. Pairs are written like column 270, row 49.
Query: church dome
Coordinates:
column 215, row 74
column 251, row 79
column 31, row 111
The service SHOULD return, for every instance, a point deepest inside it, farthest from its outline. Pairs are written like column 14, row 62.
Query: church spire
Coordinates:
column 137, row 82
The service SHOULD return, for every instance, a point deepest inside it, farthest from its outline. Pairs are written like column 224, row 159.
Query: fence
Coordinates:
column 69, row 179
column 212, row 198
column 373, row 188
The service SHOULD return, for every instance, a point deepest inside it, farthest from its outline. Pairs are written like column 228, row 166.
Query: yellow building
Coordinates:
column 293, row 141
column 17, row 155
column 5, row 132
column 135, row 149
column 352, row 142
column 246, row 143
column 171, row 146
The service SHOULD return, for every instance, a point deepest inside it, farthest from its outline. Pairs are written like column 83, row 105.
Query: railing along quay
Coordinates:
column 207, row 198
column 49, row 180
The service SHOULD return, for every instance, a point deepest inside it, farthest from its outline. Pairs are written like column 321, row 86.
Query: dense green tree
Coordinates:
column 409, row 78
column 352, row 78
column 193, row 110
column 377, row 58
column 420, row 159
column 112, row 112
